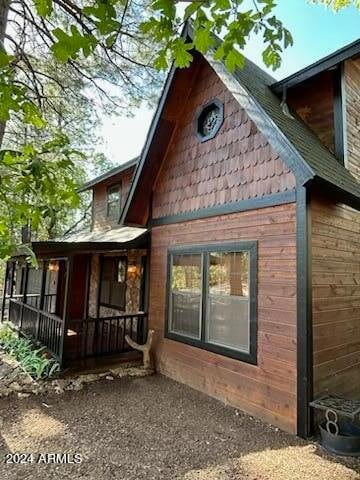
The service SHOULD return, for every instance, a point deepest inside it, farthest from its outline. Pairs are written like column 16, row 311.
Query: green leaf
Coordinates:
column 234, row 59
column 161, row 62
column 44, row 7
column 203, row 40
column 5, row 59
column 69, row 46
column 105, row 14
column 8, row 159
column 111, row 39
column 165, row 7
column 288, row 39
column 180, row 50
column 148, row 26
column 191, row 9
column 32, row 115
column 271, row 57
column 222, row 5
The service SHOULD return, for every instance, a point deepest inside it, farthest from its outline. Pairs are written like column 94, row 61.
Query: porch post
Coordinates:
column 68, row 282
column 25, row 284
column 145, row 284
column 11, row 280
column 4, row 292
column 41, row 299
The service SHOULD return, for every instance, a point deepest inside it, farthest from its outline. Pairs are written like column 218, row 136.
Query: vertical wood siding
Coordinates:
column 352, row 95
column 336, row 297
column 100, row 220
column 267, row 390
column 313, row 101
column 237, row 164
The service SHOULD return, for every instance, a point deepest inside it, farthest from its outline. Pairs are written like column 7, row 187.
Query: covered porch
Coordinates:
column 84, row 297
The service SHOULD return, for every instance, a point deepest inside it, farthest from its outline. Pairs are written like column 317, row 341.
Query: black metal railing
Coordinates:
column 50, row 333
column 42, row 327
column 104, row 336
column 14, row 312
column 33, row 299
column 91, row 337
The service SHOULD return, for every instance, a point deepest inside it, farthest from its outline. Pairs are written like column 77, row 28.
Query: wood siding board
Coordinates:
column 265, row 389
column 351, row 80
column 336, row 297
column 313, row 101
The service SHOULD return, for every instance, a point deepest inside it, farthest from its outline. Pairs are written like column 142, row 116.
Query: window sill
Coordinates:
column 218, row 349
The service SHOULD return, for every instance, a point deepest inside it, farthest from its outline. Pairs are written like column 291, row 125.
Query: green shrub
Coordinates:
column 33, row 361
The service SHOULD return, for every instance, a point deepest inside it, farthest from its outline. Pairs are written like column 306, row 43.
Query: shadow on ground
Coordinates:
column 154, row 428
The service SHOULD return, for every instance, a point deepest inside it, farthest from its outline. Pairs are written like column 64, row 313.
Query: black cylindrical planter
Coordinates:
column 347, row 442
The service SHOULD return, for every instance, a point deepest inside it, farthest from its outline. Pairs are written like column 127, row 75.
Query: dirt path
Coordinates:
column 154, row 428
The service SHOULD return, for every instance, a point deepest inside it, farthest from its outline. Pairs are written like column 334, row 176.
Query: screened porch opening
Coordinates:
column 51, row 305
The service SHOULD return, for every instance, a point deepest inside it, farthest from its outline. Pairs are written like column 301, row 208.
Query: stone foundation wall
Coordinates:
column 133, row 283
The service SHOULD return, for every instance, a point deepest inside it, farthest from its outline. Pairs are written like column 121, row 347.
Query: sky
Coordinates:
column 316, row 30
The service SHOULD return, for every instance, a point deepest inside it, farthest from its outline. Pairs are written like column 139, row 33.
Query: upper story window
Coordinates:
column 209, row 120
column 114, row 201
column 212, row 298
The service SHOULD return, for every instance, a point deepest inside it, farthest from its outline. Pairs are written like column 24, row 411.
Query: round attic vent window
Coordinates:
column 209, row 120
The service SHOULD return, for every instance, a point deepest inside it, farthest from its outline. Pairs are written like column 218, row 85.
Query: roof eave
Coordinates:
column 107, row 175
column 330, row 61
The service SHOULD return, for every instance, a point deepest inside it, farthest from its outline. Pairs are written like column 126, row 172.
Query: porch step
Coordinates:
column 102, row 364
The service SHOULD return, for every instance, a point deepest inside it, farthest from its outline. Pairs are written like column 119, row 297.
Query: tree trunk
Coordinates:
column 4, row 11
column 145, row 349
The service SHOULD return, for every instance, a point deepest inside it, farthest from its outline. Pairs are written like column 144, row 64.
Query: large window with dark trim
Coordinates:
column 113, row 282
column 212, row 293
column 113, row 201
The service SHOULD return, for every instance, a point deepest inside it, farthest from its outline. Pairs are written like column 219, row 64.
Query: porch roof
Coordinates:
column 85, row 240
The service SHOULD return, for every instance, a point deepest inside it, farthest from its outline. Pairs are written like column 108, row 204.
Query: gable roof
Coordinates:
column 298, row 147
column 311, row 159
column 330, row 61
column 108, row 174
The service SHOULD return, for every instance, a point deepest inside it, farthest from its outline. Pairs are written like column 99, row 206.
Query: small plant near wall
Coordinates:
column 33, row 361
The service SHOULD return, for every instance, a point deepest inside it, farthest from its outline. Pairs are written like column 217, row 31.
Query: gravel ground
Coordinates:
column 154, row 428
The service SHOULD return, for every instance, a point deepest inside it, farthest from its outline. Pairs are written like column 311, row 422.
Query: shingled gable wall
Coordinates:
column 237, row 164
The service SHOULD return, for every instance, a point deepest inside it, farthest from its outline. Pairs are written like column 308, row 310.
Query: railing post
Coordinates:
column 25, row 285
column 68, row 282
column 4, row 293
column 140, row 328
column 41, row 300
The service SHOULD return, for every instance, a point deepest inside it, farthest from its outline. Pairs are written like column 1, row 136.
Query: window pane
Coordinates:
column 106, row 277
column 121, row 270
column 118, row 295
column 227, row 313
column 113, row 201
column 113, row 282
column 105, row 292
column 185, row 301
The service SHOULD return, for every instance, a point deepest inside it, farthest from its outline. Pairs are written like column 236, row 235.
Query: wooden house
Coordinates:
column 241, row 227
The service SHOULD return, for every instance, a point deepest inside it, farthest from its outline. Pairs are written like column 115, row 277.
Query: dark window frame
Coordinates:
column 115, row 259
column 247, row 246
column 118, row 187
column 212, row 103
